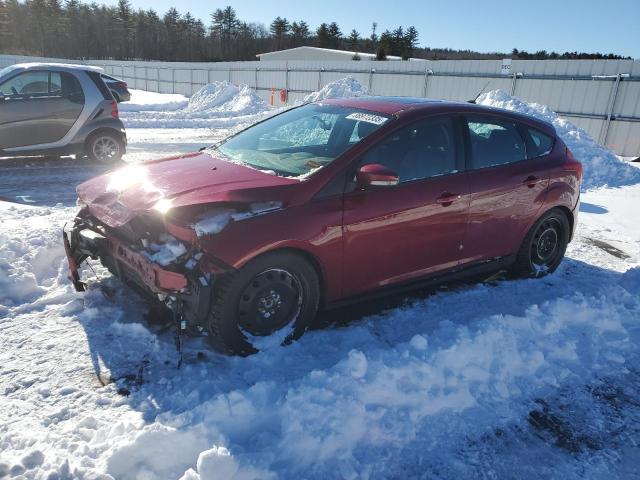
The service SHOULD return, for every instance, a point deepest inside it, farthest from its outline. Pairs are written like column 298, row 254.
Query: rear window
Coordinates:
column 495, row 142
column 541, row 144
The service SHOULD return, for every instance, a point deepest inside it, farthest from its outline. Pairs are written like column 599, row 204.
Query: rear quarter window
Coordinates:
column 96, row 78
column 541, row 144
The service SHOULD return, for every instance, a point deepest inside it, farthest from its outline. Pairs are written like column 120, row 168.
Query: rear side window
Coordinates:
column 541, row 144
column 495, row 142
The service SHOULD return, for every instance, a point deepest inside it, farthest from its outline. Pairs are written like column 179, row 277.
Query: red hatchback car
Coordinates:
column 327, row 203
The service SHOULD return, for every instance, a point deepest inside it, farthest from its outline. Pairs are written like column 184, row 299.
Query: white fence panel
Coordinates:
column 608, row 109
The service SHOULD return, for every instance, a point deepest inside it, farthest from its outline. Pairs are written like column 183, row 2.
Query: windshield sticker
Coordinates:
column 367, row 117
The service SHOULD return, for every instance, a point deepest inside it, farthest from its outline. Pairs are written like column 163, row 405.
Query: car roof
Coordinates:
column 55, row 66
column 399, row 105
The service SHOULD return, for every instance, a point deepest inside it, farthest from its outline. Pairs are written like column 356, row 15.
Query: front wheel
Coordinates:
column 270, row 302
column 543, row 248
column 104, row 147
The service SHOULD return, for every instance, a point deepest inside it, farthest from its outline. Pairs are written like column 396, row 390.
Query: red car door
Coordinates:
column 395, row 234
column 506, row 187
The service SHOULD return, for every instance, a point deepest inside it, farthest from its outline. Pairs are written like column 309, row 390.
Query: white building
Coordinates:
column 316, row 53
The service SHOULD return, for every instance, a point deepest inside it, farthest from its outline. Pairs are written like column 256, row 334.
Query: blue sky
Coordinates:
column 489, row 25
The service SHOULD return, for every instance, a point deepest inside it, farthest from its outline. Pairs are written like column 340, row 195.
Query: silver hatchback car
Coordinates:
column 58, row 109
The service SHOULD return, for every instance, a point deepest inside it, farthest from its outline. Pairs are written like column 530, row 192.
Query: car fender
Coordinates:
column 319, row 241
column 557, row 194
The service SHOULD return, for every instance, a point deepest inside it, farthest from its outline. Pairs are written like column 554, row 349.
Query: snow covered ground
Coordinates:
column 494, row 379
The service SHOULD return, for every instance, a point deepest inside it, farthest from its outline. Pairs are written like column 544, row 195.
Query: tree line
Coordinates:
column 72, row 29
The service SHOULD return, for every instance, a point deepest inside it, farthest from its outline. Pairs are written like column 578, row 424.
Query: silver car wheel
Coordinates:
column 106, row 149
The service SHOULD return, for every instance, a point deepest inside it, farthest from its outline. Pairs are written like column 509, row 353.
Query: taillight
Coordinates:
column 573, row 164
column 114, row 109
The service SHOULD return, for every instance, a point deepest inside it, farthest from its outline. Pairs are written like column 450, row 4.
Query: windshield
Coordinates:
column 302, row 140
column 6, row 70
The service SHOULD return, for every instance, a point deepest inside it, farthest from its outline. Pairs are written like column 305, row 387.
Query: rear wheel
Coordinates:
column 269, row 302
column 543, row 248
column 104, row 147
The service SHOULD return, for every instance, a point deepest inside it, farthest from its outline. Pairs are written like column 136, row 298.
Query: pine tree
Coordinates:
column 353, row 41
column 410, row 42
column 299, row 33
column 280, row 29
column 322, row 36
column 335, row 35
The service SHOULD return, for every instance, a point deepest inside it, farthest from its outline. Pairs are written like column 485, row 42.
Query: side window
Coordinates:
column 494, row 142
column 26, row 84
column 40, row 84
column 421, row 150
column 361, row 130
column 55, row 84
column 541, row 144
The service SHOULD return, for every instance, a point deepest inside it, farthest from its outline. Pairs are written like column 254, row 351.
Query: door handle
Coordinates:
column 447, row 199
column 531, row 181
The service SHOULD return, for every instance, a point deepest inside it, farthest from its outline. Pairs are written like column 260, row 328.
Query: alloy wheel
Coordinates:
column 106, row 149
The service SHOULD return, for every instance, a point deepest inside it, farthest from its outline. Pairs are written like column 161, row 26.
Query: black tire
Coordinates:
column 104, row 147
column 544, row 246
column 261, row 300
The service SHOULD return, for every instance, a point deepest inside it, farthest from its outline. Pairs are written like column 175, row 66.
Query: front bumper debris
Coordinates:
column 74, row 276
column 85, row 243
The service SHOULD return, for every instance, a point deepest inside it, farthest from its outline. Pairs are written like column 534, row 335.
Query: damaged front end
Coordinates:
column 160, row 254
column 159, row 260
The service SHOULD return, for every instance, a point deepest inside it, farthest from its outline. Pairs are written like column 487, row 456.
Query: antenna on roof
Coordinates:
column 479, row 93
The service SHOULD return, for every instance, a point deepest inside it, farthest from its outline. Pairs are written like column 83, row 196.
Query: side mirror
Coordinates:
column 376, row 175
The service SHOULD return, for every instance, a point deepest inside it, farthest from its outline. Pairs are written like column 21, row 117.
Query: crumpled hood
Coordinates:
column 118, row 196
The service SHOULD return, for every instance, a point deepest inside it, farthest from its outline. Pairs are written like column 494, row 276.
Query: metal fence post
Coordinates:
column 371, row 72
column 257, row 68
column 320, row 77
column 173, row 80
column 286, row 81
column 604, row 132
column 513, row 84
column 427, row 72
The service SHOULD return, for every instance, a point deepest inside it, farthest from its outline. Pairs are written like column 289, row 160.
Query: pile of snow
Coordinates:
column 226, row 97
column 143, row 101
column 166, row 251
column 216, row 105
column 344, row 88
column 601, row 166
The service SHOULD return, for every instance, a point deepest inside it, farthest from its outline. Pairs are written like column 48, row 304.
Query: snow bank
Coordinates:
column 228, row 98
column 216, row 105
column 601, row 166
column 143, row 101
column 344, row 88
